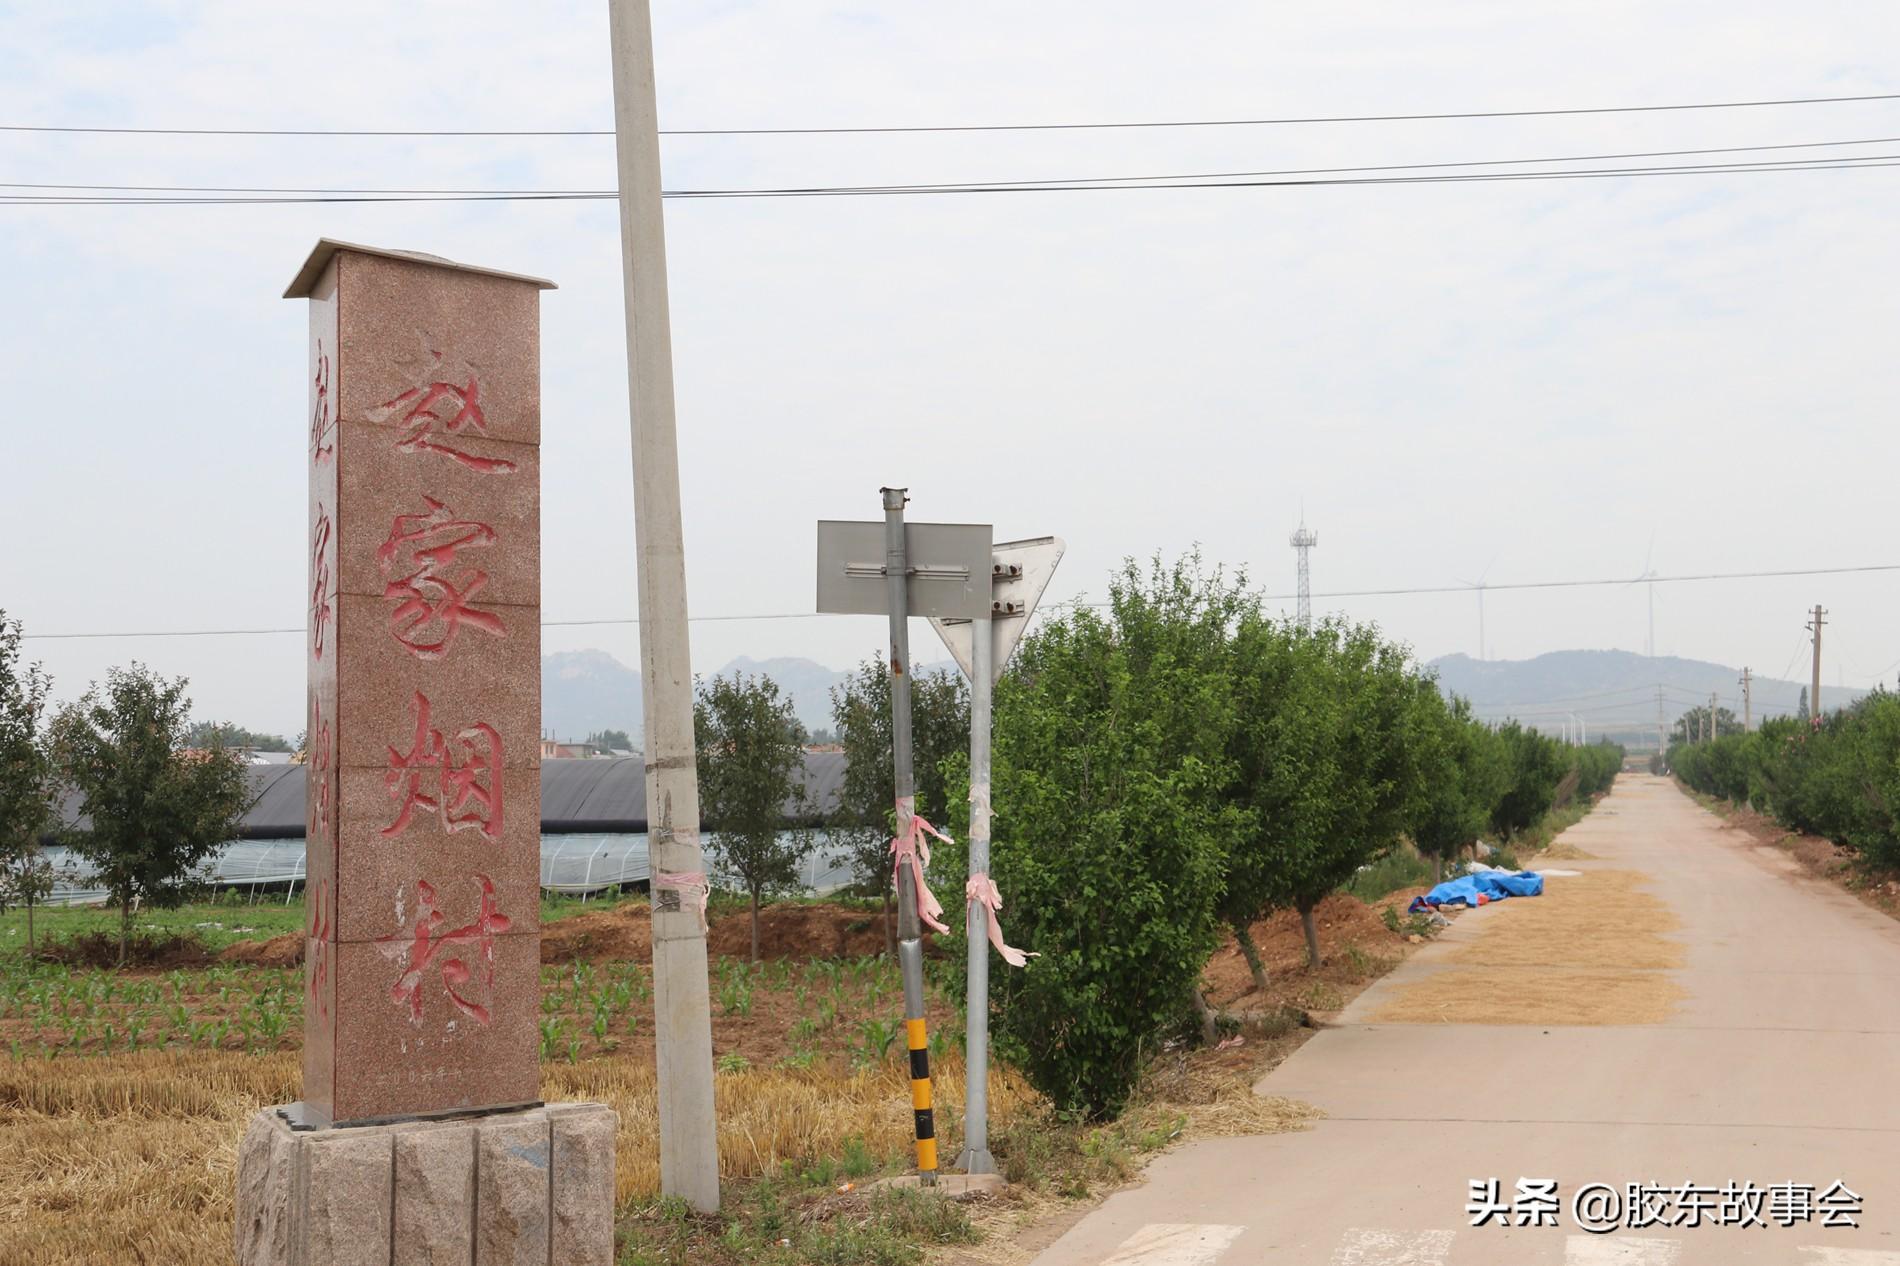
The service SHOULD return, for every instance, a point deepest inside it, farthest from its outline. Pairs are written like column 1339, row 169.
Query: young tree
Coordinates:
column 1463, row 785
column 1371, row 777
column 1278, row 746
column 750, row 754
column 157, row 811
column 1110, row 759
column 1534, row 767
column 860, row 825
column 26, row 779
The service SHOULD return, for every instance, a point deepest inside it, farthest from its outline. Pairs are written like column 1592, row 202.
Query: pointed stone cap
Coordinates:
column 306, row 278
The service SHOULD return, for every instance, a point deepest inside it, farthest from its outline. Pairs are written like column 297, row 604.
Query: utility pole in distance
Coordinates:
column 1662, row 734
column 682, row 1012
column 1748, row 702
column 1713, row 732
column 1814, row 694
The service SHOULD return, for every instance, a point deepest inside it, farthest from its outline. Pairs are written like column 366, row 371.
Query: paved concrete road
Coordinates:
column 1781, row 1066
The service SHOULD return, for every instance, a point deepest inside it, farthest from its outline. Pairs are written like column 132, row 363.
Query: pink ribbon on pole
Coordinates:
column 909, row 848
column 693, row 889
column 981, row 889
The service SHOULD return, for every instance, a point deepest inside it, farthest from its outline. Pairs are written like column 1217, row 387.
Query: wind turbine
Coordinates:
column 1648, row 580
column 1478, row 584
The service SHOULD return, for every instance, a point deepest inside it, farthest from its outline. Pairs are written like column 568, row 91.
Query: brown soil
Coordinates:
column 142, row 949
column 278, row 951
column 1355, row 945
column 790, row 930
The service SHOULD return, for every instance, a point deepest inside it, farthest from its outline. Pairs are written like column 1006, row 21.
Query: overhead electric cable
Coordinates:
column 1836, row 163
column 973, row 184
column 1271, row 597
column 905, row 129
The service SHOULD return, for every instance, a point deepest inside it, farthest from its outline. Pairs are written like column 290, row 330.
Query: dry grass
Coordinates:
column 1591, row 951
column 129, row 1158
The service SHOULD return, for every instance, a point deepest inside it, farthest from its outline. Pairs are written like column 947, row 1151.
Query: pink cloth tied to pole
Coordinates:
column 982, row 890
column 693, row 888
column 910, row 849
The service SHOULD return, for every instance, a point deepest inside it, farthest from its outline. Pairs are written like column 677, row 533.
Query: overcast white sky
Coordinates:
column 1530, row 378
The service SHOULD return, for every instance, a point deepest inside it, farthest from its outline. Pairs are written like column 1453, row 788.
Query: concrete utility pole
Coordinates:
column 1713, row 733
column 682, row 1013
column 1814, row 694
column 1748, row 703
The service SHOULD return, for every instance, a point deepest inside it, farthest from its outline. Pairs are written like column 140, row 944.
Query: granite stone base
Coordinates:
column 521, row 1188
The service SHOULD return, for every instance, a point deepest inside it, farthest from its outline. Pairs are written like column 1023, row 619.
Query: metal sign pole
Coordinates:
column 975, row 1157
column 910, row 951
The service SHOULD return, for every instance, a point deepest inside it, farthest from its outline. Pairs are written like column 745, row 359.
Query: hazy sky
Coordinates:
column 1531, row 380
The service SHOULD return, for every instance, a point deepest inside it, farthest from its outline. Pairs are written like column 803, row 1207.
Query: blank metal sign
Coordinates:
column 949, row 568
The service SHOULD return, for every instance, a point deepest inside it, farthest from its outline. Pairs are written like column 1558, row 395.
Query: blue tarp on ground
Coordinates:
column 1488, row 885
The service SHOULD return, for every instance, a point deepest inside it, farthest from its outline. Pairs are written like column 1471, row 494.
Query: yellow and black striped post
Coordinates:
column 920, row 1099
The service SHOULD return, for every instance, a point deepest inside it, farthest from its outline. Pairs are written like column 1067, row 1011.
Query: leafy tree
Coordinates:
column 750, row 754
column 26, row 779
column 1534, row 766
column 1693, row 725
column 1110, row 760
column 1467, row 781
column 610, row 740
column 1371, row 774
column 1277, row 750
column 157, row 811
column 860, row 825
column 206, row 735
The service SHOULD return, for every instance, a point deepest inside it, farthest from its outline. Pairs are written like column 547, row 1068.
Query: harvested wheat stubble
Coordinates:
column 130, row 1158
column 1590, row 951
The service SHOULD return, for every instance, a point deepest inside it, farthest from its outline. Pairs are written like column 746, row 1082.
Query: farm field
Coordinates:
column 123, row 1091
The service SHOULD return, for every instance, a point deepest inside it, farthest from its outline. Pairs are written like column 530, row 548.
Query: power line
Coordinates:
column 1578, row 584
column 1140, row 124
column 973, row 184
column 1838, row 163
column 1271, row 597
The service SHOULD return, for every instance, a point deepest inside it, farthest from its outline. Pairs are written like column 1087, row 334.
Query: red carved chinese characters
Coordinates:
column 460, row 783
column 322, row 426
column 434, row 411
column 425, row 945
column 320, row 612
column 318, row 745
column 432, row 604
column 321, row 908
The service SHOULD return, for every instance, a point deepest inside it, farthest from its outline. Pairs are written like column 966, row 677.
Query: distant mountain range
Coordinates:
column 585, row 691
column 1613, row 692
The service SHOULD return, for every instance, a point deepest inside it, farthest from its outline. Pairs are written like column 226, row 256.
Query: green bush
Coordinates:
column 1839, row 778
column 1109, row 761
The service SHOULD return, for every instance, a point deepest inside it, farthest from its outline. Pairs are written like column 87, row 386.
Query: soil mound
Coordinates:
column 1344, row 922
column 786, row 930
column 795, row 930
column 278, row 951
column 142, row 949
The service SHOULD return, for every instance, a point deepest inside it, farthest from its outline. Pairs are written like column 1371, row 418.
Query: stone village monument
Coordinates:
column 421, row 1137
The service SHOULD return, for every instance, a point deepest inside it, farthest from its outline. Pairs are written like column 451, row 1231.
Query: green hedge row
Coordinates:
column 1839, row 778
